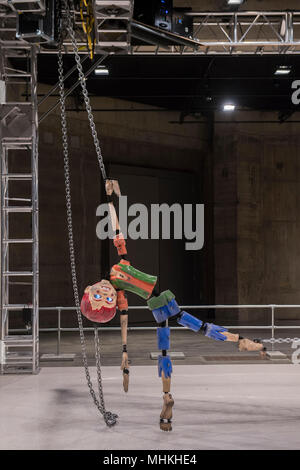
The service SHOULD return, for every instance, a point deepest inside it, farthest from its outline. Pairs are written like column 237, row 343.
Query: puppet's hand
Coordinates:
column 109, row 187
column 125, row 369
column 125, row 362
column 214, row 332
column 112, row 186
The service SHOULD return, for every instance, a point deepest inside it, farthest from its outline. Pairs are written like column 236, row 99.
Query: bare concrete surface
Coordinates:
column 197, row 348
column 241, row 406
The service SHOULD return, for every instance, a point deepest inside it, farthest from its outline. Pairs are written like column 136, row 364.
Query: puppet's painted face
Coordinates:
column 99, row 302
column 102, row 294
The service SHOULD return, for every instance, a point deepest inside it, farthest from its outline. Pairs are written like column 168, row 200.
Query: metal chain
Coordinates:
column 83, row 86
column 280, row 340
column 110, row 418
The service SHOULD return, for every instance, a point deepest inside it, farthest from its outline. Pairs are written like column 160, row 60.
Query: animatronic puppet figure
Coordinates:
column 100, row 302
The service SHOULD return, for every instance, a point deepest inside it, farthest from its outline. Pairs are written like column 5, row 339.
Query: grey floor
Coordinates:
column 197, row 348
column 224, row 406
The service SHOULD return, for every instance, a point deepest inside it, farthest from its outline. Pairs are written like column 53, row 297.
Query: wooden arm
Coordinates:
column 124, row 326
column 125, row 362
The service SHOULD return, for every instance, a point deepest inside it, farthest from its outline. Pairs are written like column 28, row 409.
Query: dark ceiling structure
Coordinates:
column 235, row 62
column 190, row 85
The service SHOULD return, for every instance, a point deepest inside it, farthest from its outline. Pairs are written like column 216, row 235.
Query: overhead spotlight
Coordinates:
column 283, row 70
column 228, row 107
column 101, row 70
column 235, row 2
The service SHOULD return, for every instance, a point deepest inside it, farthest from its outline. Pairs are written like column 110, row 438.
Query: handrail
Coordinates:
column 272, row 307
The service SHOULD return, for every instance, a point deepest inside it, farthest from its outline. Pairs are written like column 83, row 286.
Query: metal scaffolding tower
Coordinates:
column 19, row 211
column 113, row 25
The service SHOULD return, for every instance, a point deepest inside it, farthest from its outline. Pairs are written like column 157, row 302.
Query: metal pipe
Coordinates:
column 58, row 330
column 91, row 69
column 57, row 84
column 239, row 13
column 273, row 325
column 35, row 212
column 135, row 307
column 208, row 52
column 145, row 328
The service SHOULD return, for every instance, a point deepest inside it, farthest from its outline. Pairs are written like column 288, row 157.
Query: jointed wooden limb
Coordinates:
column 125, row 362
column 124, row 325
column 166, row 381
column 231, row 337
column 112, row 186
column 165, row 372
column 123, row 307
column 245, row 344
column 168, row 402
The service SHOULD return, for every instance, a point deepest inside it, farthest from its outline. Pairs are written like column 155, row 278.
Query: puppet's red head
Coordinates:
column 99, row 302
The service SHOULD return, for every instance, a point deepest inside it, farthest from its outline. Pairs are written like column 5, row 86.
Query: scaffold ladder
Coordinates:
column 19, row 147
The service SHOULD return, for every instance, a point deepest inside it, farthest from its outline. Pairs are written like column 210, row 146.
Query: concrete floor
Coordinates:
column 197, row 348
column 241, row 406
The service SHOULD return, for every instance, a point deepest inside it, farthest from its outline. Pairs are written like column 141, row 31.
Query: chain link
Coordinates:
column 281, row 340
column 110, row 418
column 83, row 86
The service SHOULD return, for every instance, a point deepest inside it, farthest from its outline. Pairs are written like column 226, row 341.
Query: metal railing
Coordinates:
column 271, row 307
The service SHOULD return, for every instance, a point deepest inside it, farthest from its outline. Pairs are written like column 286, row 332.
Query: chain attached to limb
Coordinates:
column 110, row 418
column 101, row 300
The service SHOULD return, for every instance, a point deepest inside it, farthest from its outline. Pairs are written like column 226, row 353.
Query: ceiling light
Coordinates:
column 101, row 70
column 228, row 107
column 283, row 70
column 235, row 2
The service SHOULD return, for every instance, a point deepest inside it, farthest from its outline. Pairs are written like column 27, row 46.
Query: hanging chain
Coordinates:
column 83, row 86
column 281, row 340
column 110, row 418
column 98, row 368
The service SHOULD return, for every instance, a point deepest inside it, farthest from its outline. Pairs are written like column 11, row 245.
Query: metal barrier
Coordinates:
column 271, row 307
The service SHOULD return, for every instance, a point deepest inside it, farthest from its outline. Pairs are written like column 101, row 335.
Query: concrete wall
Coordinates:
column 246, row 174
column 135, row 139
column 257, row 215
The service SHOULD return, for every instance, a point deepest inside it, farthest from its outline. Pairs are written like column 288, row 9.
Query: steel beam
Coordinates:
column 221, row 33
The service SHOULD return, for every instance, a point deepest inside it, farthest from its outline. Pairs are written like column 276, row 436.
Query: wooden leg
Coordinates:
column 166, row 383
column 231, row 336
column 168, row 402
column 246, row 344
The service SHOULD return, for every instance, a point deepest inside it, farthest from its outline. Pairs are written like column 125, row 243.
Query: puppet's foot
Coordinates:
column 125, row 379
column 166, row 413
column 248, row 345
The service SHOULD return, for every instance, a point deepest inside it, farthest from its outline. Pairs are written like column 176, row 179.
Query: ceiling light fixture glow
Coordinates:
column 235, row 2
column 228, row 107
column 101, row 70
column 283, row 70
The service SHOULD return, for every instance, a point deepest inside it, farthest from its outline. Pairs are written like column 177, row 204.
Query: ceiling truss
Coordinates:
column 218, row 33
